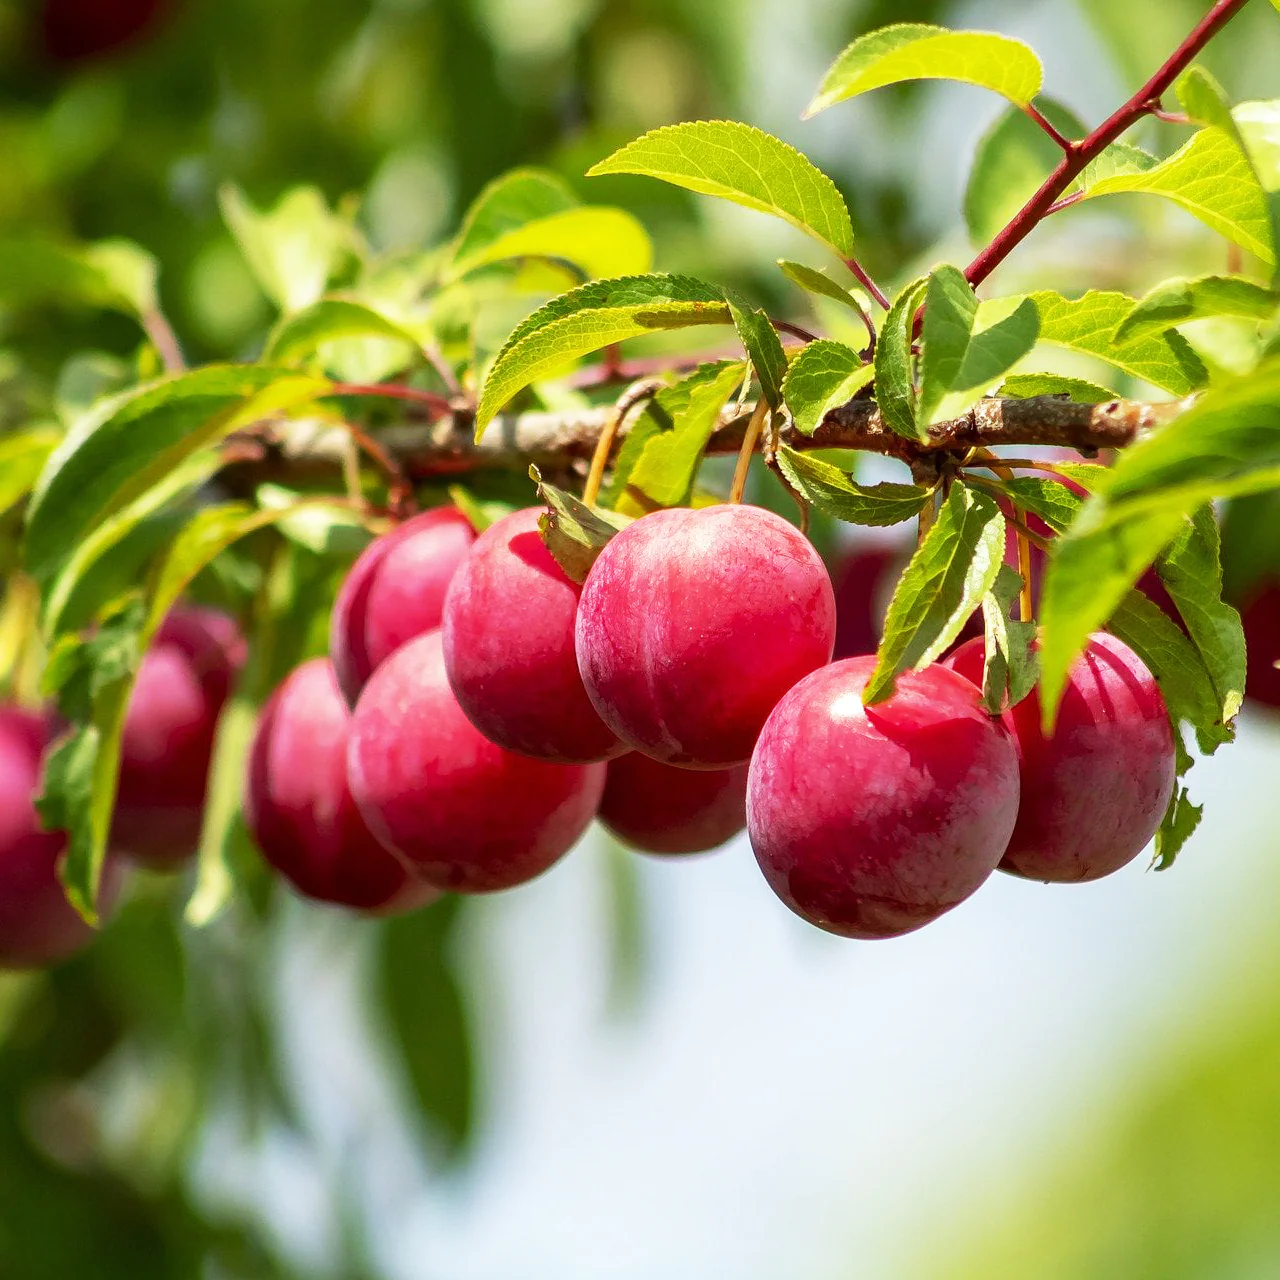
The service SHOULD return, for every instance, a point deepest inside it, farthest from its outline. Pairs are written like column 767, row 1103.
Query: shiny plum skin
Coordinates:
column 299, row 809
column 394, row 592
column 692, row 624
column 463, row 813
column 182, row 684
column 657, row 808
column 1261, row 618
column 38, row 926
column 509, row 651
column 1094, row 793
column 872, row 821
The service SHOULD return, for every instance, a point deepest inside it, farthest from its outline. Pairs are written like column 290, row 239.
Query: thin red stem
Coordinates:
column 1144, row 102
column 794, row 330
column 867, row 282
column 399, row 488
column 394, row 391
column 1035, row 114
column 1171, row 117
column 161, row 336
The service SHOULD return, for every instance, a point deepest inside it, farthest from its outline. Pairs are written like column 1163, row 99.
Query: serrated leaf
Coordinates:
column 953, row 568
column 825, row 375
column 687, row 413
column 836, row 494
column 1211, row 177
column 817, row 282
column 1012, row 160
column 131, row 442
column 292, row 248
column 1181, row 818
column 590, row 318
column 574, row 533
column 22, row 457
column 297, row 336
column 919, row 51
column 958, row 365
column 1175, row 302
column 1054, row 502
column 745, row 165
column 1079, row 390
column 1088, row 324
column 1191, row 570
column 507, row 203
column 895, row 380
column 1119, row 160
column 1010, row 667
column 597, row 240
column 763, row 348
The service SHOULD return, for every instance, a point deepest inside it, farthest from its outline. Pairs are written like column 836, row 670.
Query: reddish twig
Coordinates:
column 161, row 336
column 1035, row 114
column 400, row 500
column 867, row 282
column 793, row 330
column 438, row 404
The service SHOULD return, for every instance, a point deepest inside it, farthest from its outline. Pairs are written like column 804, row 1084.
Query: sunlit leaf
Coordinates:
column 836, row 494
column 1010, row 665
column 1174, row 302
column 763, row 348
column 894, row 364
column 825, row 375
column 297, row 336
column 507, row 203
column 817, row 282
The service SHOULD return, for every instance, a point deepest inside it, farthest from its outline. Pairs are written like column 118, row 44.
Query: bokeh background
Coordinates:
column 626, row 1069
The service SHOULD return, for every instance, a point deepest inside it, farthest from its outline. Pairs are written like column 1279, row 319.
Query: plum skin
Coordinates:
column 693, row 623
column 509, row 648
column 37, row 924
column 299, row 809
column 661, row 809
column 870, row 822
column 394, row 592
column 182, row 684
column 1260, row 616
column 464, row 814
column 1094, row 793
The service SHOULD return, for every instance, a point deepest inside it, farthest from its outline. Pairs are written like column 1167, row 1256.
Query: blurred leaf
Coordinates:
column 1088, row 324
column 509, row 202
column 1013, row 158
column 22, row 456
column 574, row 532
column 821, row 284
column 745, row 165
column 133, row 442
column 895, row 379
column 918, row 51
column 427, row 1018
column 298, row 335
column 292, row 249
column 952, row 569
column 1259, row 125
column 822, row 377
column 117, row 275
column 834, row 493
column 590, row 318
column 1010, row 667
column 330, row 531
column 764, row 350
column 129, row 270
column 1175, row 302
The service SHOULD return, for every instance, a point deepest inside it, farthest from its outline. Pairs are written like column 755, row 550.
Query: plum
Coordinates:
column 872, row 821
column 395, row 591
column 509, row 649
column 462, row 812
column 1261, row 618
column 37, row 924
column 693, row 623
column 658, row 808
column 182, row 684
column 299, row 808
column 1094, row 793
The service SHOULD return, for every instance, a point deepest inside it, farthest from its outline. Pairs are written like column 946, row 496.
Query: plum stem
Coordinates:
column 749, row 441
column 635, row 394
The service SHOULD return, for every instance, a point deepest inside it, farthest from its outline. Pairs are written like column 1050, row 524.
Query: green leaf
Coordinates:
column 1013, row 159
column 1051, row 500
column 1191, row 570
column 1120, row 159
column 508, row 203
column 596, row 239
column 130, row 272
column 953, row 568
column 763, row 349
column 1175, row 302
column 481, row 512
column 825, row 375
column 918, row 51
column 1080, row 390
column 663, row 473
column 22, row 457
column 1259, row 125
column 326, row 531
column 592, row 317
column 1088, row 325
column 296, row 337
column 959, row 366
column 1182, row 817
column 574, row 532
column 736, row 162
column 426, row 1015
column 1210, row 177
column 130, row 443
column 836, row 494
column 291, row 249
column 1010, row 668
column 895, row 381
column 116, row 275
column 817, row 282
